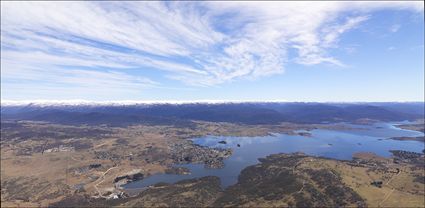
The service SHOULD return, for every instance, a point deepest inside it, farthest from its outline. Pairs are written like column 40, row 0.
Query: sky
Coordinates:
column 254, row 51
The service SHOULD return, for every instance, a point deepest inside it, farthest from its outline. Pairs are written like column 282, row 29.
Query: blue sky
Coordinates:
column 293, row 51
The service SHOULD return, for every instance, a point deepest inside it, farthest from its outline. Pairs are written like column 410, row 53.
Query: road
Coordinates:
column 102, row 178
column 386, row 197
column 392, row 190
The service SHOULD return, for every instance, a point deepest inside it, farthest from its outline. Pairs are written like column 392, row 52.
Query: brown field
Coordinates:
column 44, row 163
column 33, row 176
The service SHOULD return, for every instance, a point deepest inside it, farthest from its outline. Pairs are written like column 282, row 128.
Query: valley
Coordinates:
column 208, row 163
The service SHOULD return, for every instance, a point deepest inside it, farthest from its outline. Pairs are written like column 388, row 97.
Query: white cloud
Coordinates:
column 394, row 28
column 333, row 32
column 198, row 43
column 34, row 81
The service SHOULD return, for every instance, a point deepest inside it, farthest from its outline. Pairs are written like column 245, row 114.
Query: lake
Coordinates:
column 337, row 144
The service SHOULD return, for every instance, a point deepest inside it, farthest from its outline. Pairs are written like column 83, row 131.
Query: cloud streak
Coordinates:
column 197, row 43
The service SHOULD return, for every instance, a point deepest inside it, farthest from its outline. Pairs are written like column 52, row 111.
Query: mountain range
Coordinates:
column 116, row 114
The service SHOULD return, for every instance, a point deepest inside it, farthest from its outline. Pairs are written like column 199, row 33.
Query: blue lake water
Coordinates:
column 338, row 144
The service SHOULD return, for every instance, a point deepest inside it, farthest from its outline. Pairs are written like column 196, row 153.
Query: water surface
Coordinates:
column 337, row 144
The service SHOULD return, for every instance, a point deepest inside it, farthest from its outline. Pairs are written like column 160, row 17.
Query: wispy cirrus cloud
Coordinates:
column 198, row 43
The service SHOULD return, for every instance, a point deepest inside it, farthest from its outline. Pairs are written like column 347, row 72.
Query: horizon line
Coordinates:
column 200, row 101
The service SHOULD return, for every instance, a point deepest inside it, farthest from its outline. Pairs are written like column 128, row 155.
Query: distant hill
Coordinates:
column 183, row 114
